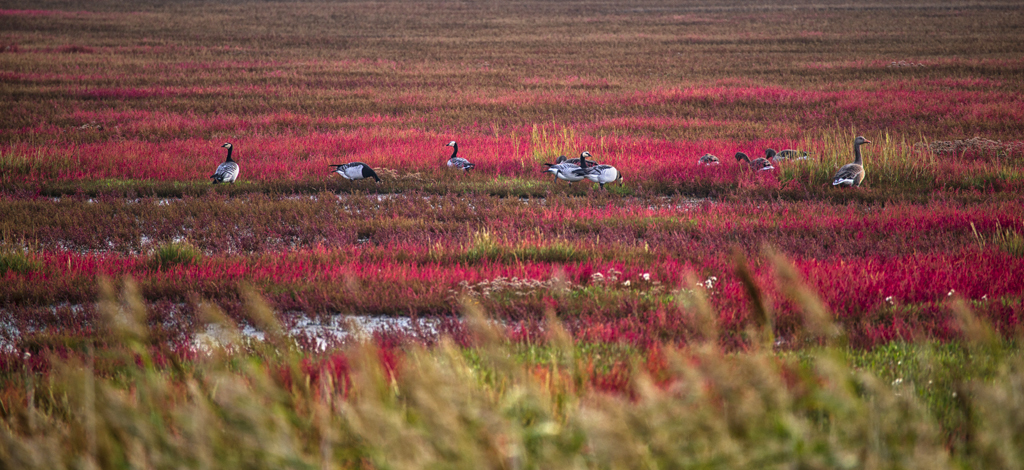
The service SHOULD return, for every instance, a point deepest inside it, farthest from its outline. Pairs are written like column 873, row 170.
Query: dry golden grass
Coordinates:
column 239, row 404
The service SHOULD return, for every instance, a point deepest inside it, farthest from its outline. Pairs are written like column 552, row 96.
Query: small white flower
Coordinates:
column 897, row 382
column 626, row 283
column 984, row 297
column 889, row 300
column 950, row 293
column 646, row 276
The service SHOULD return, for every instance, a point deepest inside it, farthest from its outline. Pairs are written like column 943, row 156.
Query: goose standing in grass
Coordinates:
column 852, row 174
column 599, row 174
column 708, row 159
column 456, row 161
column 226, row 172
column 355, row 171
column 563, row 170
column 759, row 164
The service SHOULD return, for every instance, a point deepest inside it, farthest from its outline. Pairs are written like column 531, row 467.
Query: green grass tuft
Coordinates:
column 1010, row 241
column 17, row 261
column 176, row 253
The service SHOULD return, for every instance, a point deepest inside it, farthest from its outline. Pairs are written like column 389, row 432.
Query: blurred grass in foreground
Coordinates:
column 128, row 401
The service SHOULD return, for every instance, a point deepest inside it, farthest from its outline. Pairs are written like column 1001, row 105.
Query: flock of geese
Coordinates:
column 577, row 169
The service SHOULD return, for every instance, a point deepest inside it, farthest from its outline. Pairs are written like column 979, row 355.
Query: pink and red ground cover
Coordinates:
column 627, row 263
column 112, row 115
column 104, row 109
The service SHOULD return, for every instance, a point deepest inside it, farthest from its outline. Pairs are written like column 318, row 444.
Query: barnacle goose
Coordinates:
column 355, row 171
column 458, row 162
column 599, row 174
column 226, row 172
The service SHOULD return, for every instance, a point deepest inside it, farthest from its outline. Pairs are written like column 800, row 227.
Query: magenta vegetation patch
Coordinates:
column 113, row 123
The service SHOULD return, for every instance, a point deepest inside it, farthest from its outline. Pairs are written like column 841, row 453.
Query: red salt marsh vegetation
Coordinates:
column 765, row 317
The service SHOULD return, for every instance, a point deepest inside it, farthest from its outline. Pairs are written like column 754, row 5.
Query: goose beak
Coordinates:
column 866, row 141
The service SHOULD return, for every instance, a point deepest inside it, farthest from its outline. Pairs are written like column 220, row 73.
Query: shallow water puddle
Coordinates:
column 337, row 329
column 322, row 332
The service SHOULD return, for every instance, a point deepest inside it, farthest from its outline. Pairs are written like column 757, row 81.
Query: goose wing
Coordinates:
column 606, row 174
column 761, row 164
column 350, row 171
column 584, row 172
column 460, row 163
column 226, row 171
column 850, row 174
column 790, row 154
column 566, row 171
column 598, row 173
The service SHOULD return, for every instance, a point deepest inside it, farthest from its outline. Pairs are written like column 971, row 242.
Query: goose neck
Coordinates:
column 856, row 154
column 229, row 154
column 455, row 151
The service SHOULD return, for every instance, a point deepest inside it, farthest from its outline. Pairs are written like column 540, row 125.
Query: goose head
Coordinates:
column 226, row 145
column 450, row 144
column 740, row 156
column 583, row 159
column 769, row 153
column 860, row 140
column 561, row 158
